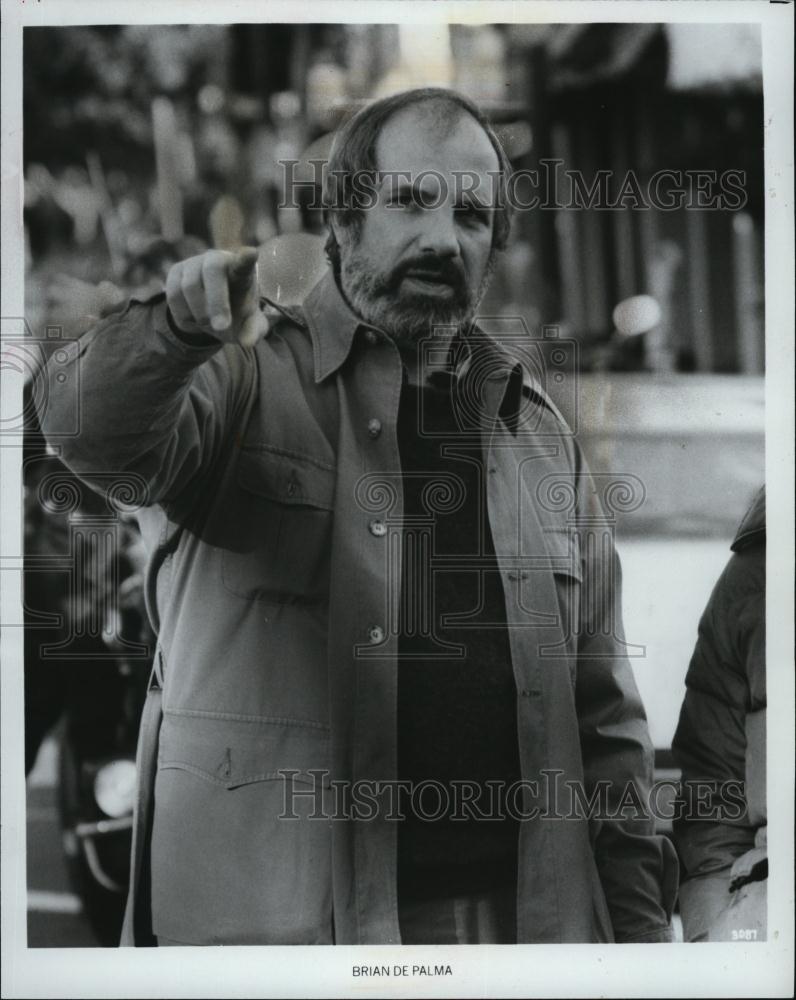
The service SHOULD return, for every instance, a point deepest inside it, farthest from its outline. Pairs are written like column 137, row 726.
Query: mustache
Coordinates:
column 444, row 269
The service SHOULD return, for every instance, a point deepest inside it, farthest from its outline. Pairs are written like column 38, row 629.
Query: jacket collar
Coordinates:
column 333, row 326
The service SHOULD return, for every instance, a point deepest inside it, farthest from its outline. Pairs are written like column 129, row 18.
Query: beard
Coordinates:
column 409, row 301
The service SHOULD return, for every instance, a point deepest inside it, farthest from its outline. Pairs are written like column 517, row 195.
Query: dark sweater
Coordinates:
column 456, row 713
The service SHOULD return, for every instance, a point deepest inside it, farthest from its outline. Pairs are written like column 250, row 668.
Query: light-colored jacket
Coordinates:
column 261, row 472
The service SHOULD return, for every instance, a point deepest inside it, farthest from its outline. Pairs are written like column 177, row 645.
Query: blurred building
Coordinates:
column 648, row 98
column 622, row 99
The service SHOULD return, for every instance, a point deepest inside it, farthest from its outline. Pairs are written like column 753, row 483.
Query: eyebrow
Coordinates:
column 402, row 187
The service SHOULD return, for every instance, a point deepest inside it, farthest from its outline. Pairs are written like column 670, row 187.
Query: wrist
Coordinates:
column 197, row 339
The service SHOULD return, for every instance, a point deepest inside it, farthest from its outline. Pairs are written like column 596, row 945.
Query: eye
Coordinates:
column 474, row 214
column 403, row 199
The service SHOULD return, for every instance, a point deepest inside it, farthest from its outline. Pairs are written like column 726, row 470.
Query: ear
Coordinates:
column 336, row 234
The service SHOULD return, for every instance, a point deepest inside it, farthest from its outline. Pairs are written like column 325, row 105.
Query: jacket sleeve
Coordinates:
column 131, row 397
column 637, row 868
column 725, row 682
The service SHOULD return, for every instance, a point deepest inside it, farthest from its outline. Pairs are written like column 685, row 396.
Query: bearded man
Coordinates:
column 389, row 674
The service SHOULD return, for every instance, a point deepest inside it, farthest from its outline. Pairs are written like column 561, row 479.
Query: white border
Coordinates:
column 762, row 969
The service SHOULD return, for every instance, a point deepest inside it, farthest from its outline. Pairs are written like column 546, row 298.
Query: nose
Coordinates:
column 438, row 234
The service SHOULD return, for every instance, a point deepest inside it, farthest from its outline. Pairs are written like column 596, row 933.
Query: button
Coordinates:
column 374, row 427
column 376, row 634
column 371, row 336
column 292, row 488
column 378, row 528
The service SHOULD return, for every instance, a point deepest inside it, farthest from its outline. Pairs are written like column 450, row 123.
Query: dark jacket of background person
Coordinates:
column 261, row 472
column 721, row 737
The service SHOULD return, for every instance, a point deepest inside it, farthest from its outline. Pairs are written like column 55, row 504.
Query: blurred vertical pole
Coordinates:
column 596, row 274
column 572, row 303
column 748, row 295
column 529, row 76
column 699, row 289
column 359, row 56
column 111, row 227
column 626, row 284
column 659, row 350
column 301, row 50
column 644, row 166
column 164, row 126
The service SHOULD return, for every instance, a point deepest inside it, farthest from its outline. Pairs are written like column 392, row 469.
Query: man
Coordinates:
column 356, row 581
column 720, row 744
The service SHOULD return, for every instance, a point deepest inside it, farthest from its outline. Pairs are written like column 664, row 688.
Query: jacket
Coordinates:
column 258, row 474
column 721, row 739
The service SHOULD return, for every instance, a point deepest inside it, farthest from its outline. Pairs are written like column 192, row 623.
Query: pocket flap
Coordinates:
column 233, row 753
column 287, row 477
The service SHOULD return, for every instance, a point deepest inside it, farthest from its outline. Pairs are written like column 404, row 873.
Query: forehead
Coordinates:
column 416, row 140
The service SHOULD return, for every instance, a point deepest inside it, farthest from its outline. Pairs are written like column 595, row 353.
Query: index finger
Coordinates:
column 215, row 281
column 244, row 264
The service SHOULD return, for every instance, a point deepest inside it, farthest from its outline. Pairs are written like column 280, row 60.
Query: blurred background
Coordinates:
column 144, row 145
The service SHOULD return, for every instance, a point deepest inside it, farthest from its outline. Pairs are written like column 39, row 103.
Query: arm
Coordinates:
column 637, row 868
column 725, row 681
column 151, row 397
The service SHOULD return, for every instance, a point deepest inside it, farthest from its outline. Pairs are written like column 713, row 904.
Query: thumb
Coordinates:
column 254, row 326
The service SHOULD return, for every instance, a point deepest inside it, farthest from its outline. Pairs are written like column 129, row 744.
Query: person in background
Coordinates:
column 721, row 740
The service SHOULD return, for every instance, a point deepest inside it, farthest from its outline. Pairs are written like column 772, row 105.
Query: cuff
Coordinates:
column 194, row 348
column 191, row 339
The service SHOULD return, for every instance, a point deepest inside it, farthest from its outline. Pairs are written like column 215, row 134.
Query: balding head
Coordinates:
column 434, row 110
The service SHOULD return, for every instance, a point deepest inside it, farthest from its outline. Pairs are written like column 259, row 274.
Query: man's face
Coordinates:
column 423, row 254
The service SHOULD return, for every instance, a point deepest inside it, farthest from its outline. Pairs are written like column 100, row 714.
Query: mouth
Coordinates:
column 428, row 283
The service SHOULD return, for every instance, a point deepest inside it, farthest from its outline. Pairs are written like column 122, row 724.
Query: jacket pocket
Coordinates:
column 280, row 544
column 241, row 855
column 231, row 754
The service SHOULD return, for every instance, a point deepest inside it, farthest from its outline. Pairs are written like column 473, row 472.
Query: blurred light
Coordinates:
column 210, row 99
column 425, row 51
column 114, row 788
column 424, row 59
column 636, row 315
column 703, row 55
column 285, row 104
